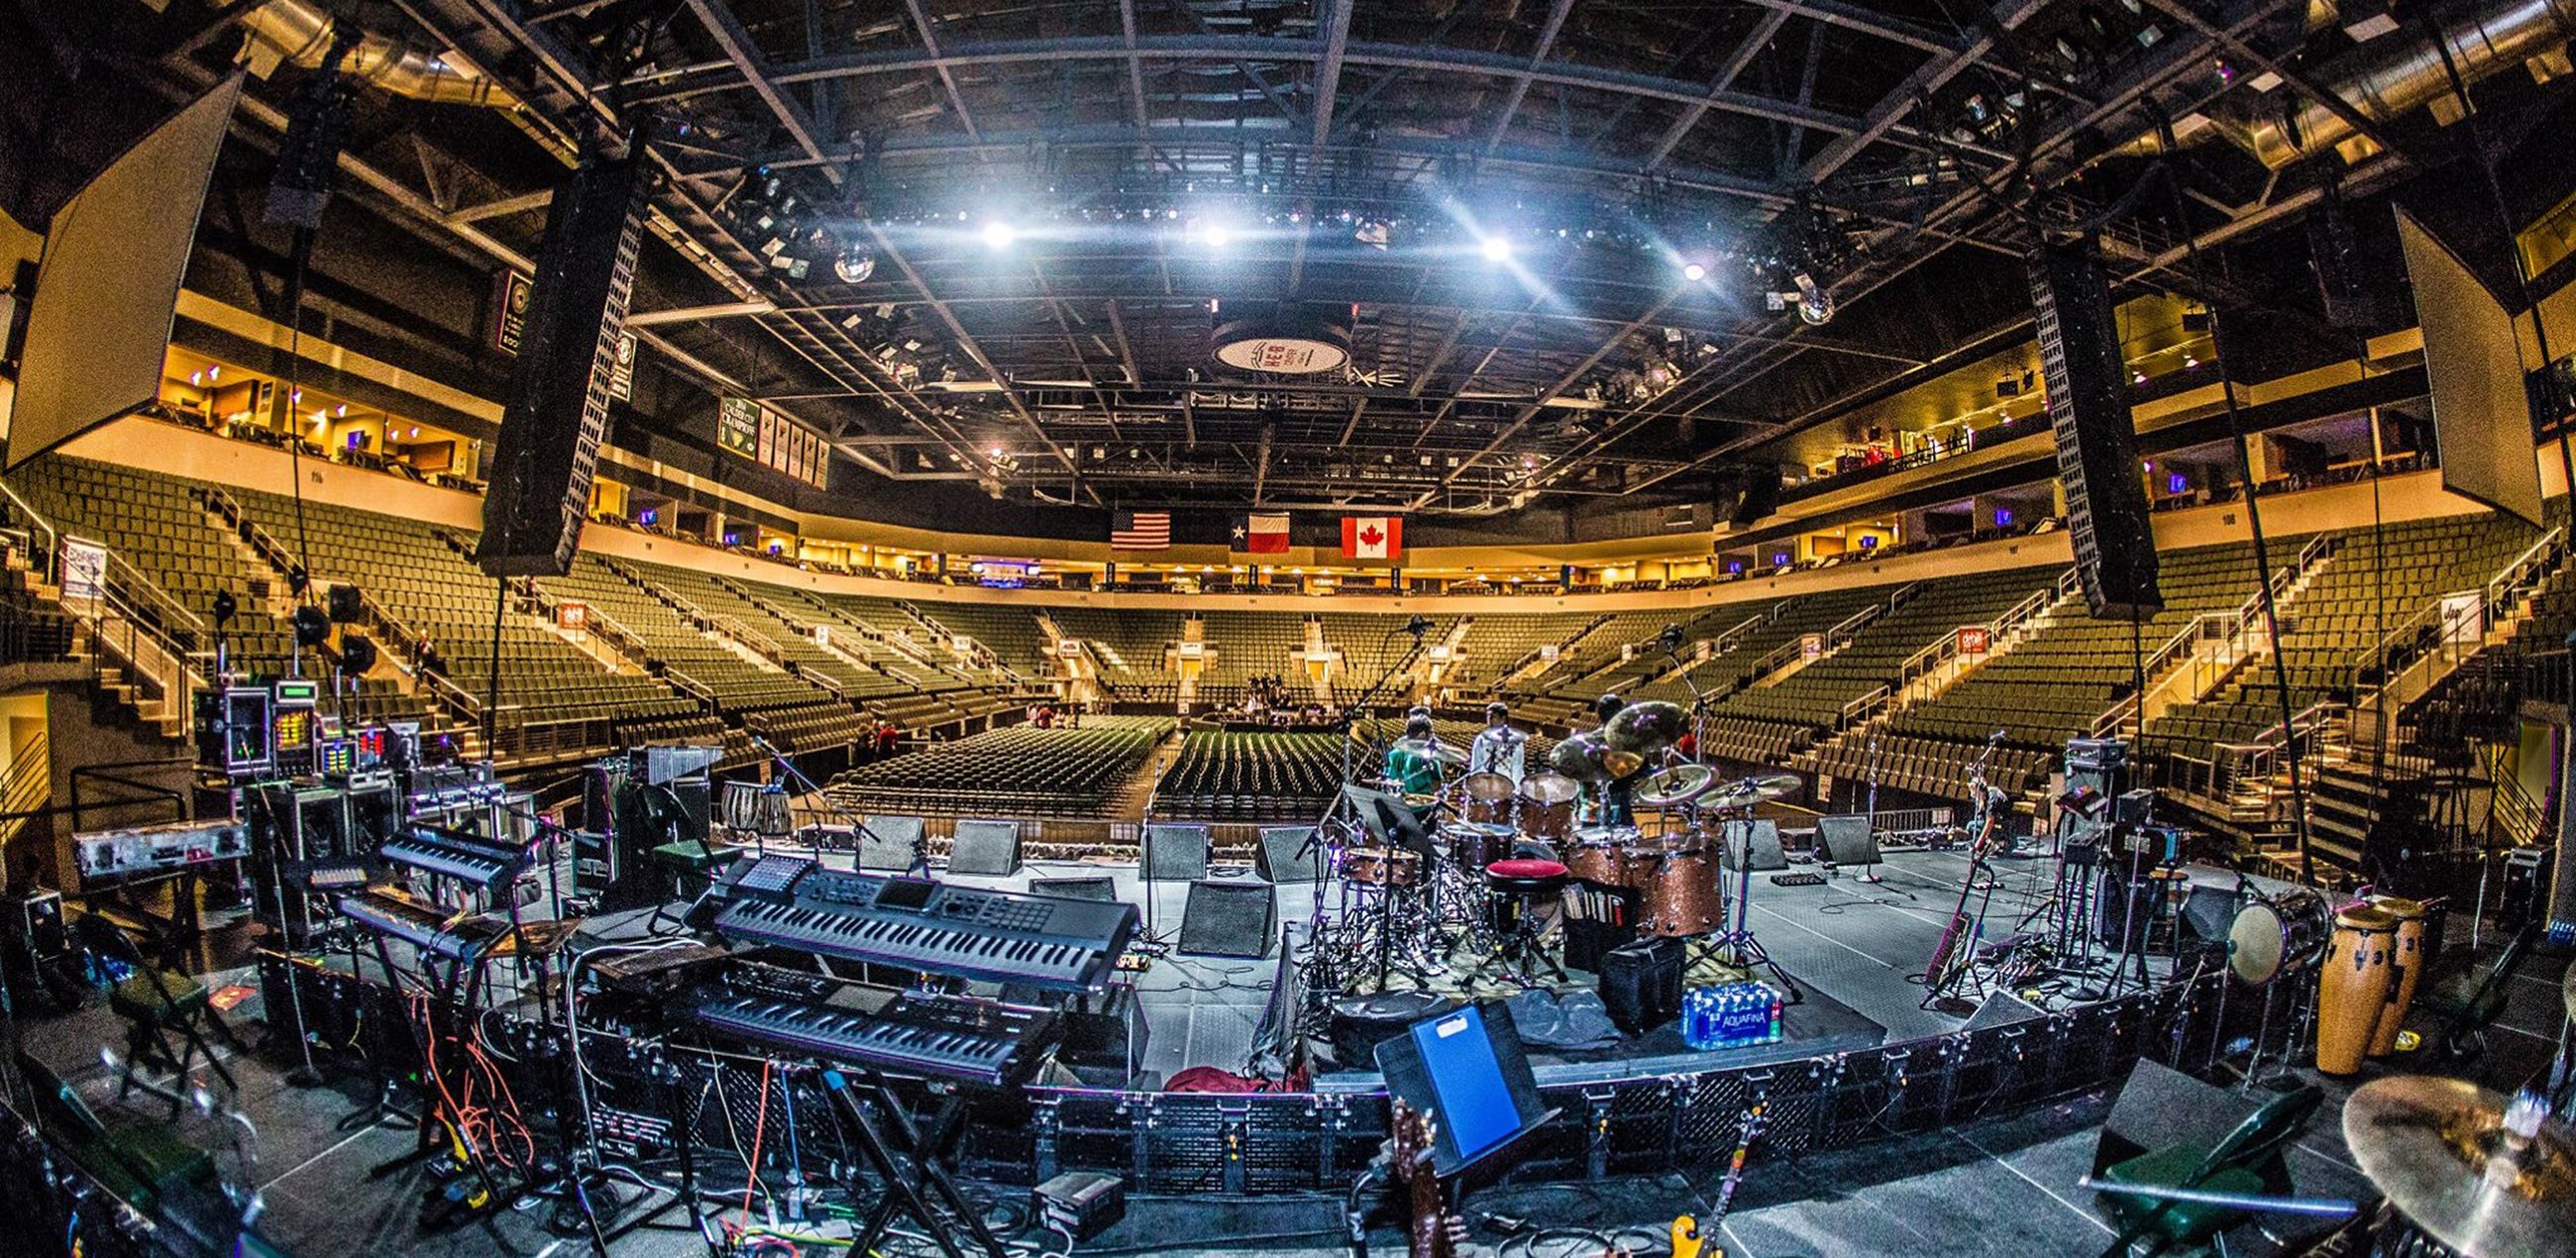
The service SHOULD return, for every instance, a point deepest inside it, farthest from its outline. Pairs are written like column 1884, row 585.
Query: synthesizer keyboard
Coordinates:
column 475, row 861
column 424, row 926
column 947, row 1037
column 916, row 924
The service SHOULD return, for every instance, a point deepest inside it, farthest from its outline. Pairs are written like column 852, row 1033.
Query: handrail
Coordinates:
column 51, row 553
column 2391, row 653
column 1725, row 642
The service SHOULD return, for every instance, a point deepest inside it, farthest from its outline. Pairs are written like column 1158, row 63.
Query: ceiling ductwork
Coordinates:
column 299, row 31
column 2383, row 80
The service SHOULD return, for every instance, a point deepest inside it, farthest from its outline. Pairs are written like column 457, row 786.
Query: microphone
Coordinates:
column 1418, row 626
column 1995, row 739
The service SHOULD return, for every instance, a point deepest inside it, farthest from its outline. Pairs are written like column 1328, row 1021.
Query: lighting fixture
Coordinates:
column 854, row 266
column 1694, row 272
column 1495, row 248
column 999, row 235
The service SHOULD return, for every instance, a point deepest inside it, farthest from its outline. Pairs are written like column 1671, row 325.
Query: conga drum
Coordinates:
column 2352, row 985
column 2406, row 965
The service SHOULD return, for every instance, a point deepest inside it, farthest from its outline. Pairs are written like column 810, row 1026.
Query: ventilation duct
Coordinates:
column 2383, row 80
column 299, row 31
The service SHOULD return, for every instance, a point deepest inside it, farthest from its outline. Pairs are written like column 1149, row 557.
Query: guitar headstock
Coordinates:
column 1413, row 1136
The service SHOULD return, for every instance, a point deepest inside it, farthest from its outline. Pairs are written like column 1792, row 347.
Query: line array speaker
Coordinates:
column 539, row 483
column 2097, row 450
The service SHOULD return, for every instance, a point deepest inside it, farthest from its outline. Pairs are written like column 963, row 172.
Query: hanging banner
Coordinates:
column 621, row 373
column 84, row 574
column 510, row 293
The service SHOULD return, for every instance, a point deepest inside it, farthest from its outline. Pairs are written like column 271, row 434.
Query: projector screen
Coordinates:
column 99, row 328
column 2481, row 409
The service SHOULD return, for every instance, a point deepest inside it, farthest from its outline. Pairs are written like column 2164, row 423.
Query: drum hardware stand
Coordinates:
column 1737, row 944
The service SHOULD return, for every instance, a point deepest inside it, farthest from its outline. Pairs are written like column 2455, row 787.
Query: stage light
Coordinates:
column 854, row 266
column 1212, row 233
column 1495, row 248
column 999, row 235
column 1694, row 272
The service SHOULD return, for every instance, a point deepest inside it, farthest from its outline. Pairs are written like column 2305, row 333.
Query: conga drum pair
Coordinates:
column 2405, row 966
column 2353, row 985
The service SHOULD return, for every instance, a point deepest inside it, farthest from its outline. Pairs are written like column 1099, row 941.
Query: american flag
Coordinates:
column 1141, row 530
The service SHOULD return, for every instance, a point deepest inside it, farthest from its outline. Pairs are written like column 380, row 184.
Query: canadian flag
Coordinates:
column 1372, row 536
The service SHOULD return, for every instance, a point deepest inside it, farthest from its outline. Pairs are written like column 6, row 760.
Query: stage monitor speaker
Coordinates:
column 1758, row 840
column 2097, row 448
column 1104, row 890
column 2003, row 1009
column 1848, row 840
column 1229, row 919
column 2160, row 1107
column 1641, row 984
column 1290, row 854
column 538, row 484
column 1175, row 851
column 985, row 849
column 891, row 844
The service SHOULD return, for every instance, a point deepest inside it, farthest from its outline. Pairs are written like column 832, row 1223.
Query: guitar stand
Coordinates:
column 907, row 1159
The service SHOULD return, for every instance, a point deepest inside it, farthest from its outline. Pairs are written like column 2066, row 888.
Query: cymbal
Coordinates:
column 1646, row 727
column 1622, row 764
column 1757, row 789
column 1579, row 757
column 2487, row 1178
column 1675, row 786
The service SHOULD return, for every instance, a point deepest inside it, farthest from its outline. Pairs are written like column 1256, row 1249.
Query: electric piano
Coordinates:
column 917, row 1034
column 921, row 925
column 457, row 936
column 470, row 859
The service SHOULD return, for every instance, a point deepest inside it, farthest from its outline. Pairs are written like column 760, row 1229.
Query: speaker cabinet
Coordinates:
column 1229, row 919
column 2097, row 449
column 891, row 844
column 1175, row 851
column 1641, row 984
column 1101, row 889
column 1290, row 854
column 2002, row 1009
column 539, row 477
column 985, row 849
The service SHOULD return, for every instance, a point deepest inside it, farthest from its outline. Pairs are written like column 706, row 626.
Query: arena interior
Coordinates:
column 1779, row 628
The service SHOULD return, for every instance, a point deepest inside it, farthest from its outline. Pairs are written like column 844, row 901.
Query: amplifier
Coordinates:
column 154, row 849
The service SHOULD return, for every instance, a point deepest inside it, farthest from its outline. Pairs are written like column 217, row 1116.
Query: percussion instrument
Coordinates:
column 1675, row 786
column 2405, row 966
column 1600, row 855
column 1761, row 788
column 1646, row 727
column 1487, row 798
column 2478, row 1175
column 1547, row 805
column 1381, row 867
column 1681, row 889
column 2352, row 986
column 2271, row 936
column 1474, row 845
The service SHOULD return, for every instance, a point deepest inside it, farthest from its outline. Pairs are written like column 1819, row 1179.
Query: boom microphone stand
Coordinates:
column 860, row 833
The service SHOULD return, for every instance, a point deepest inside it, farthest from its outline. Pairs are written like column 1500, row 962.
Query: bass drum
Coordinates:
column 2282, row 934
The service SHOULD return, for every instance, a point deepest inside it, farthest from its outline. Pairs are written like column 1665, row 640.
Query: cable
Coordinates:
column 759, row 1128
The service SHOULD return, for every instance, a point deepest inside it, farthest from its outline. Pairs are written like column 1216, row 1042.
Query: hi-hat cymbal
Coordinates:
column 1646, row 727
column 2483, row 1177
column 1675, row 786
column 1757, row 789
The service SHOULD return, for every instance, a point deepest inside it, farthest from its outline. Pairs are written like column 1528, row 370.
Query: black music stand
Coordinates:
column 907, row 1158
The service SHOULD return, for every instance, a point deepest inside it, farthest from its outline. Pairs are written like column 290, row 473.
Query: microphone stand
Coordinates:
column 1346, row 725
column 860, row 833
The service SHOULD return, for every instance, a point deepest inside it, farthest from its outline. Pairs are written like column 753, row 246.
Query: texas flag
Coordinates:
column 1262, row 534
column 1372, row 536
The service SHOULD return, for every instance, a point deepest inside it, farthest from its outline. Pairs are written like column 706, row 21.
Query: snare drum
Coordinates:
column 2406, row 957
column 2352, row 987
column 1547, row 806
column 1381, row 867
column 1681, row 886
column 1472, row 846
column 1487, row 799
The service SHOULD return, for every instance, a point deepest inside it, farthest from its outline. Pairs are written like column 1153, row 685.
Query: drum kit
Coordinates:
column 1572, row 823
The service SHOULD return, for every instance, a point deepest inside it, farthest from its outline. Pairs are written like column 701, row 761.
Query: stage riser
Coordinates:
column 1314, row 1142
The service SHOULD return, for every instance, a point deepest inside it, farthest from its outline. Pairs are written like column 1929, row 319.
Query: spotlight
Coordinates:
column 1495, row 248
column 1815, row 303
column 854, row 266
column 999, row 235
column 1694, row 272
column 1210, row 232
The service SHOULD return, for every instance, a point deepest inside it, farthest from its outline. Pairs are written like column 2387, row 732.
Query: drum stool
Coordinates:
column 1521, row 889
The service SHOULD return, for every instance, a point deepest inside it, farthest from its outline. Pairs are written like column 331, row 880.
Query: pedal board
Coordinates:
column 1797, row 880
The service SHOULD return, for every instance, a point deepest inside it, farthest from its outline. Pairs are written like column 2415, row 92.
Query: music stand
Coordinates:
column 1468, row 1071
column 1850, row 840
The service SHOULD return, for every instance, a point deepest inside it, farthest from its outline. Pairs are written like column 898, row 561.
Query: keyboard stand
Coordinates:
column 907, row 1161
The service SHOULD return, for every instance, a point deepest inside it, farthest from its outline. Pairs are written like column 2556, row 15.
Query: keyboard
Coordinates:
column 948, row 1037
column 921, row 925
column 424, row 926
column 475, row 861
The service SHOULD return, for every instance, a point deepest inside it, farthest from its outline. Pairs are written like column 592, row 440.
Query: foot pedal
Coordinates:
column 1797, row 880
